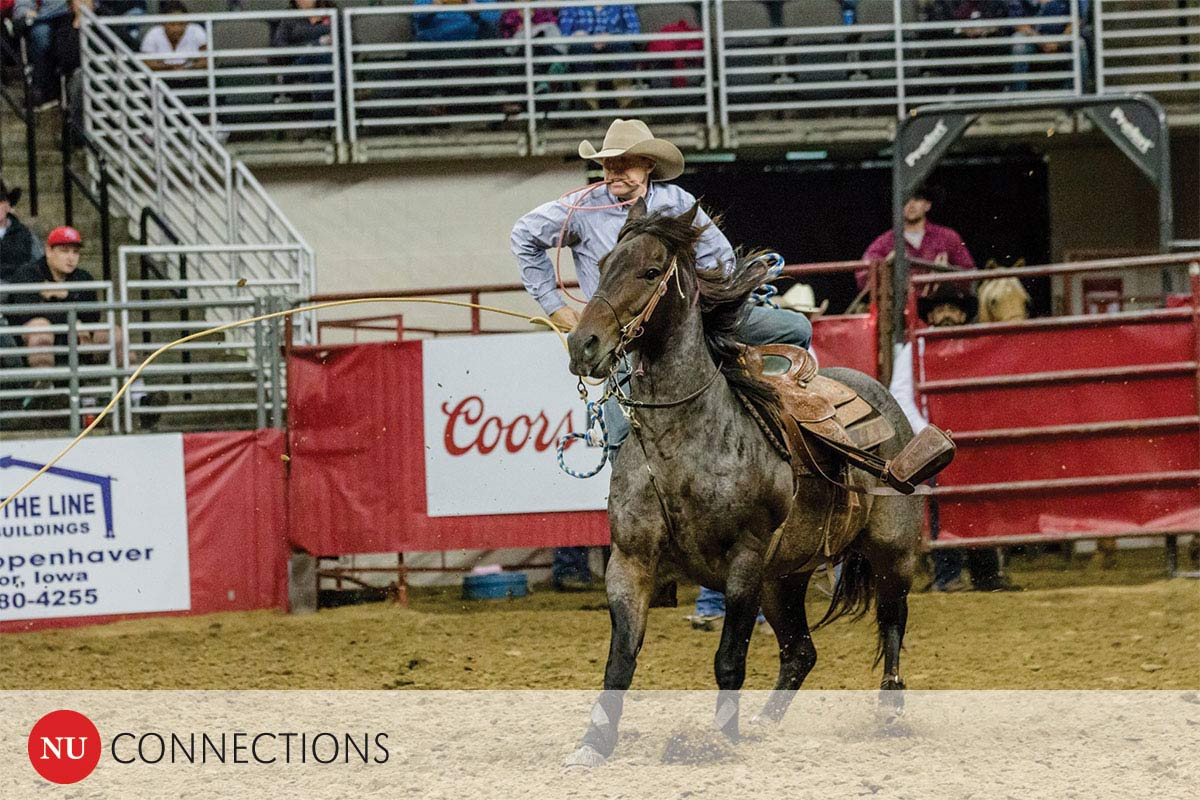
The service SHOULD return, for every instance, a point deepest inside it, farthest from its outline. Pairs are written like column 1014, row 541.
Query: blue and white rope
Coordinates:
column 595, row 416
column 765, row 295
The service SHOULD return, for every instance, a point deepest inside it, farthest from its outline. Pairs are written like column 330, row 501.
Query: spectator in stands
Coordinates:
column 312, row 31
column 922, row 239
column 132, row 34
column 18, row 245
column 543, row 23
column 60, row 264
column 453, row 26
column 177, row 42
column 1044, row 8
column 947, row 306
column 602, row 21
column 43, row 22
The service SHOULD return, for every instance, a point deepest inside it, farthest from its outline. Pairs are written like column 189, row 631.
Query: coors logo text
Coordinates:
column 469, row 428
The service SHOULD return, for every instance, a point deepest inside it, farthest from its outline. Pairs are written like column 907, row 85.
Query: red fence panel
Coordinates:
column 358, row 463
column 1066, row 425
column 847, row 341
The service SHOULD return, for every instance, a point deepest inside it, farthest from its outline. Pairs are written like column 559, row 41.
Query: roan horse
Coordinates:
column 698, row 489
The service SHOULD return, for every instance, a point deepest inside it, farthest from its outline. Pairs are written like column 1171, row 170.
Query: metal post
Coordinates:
column 260, row 354
column 68, row 187
column 275, row 304
column 105, row 221
column 530, row 101
column 211, row 78
column 31, row 146
column 336, row 59
column 73, row 365
column 710, row 117
column 722, row 93
column 898, row 39
column 348, row 57
column 1098, row 38
column 475, row 324
column 1077, row 46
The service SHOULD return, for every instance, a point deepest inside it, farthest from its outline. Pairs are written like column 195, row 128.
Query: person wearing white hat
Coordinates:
column 636, row 165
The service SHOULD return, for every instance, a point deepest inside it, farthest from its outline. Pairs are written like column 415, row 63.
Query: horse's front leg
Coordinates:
column 742, row 589
column 630, row 584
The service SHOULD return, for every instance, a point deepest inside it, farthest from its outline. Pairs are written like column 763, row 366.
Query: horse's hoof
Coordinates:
column 765, row 720
column 586, row 757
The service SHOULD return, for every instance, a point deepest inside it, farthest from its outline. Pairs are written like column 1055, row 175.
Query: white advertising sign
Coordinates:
column 103, row 532
column 495, row 408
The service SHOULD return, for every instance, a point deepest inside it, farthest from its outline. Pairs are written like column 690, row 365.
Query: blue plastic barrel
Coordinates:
column 491, row 587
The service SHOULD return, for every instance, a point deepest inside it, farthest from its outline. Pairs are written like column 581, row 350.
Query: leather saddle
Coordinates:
column 827, row 425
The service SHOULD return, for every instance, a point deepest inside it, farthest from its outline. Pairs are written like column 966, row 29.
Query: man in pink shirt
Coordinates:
column 923, row 239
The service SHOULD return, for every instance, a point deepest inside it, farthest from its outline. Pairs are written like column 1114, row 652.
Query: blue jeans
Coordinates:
column 570, row 563
column 42, row 56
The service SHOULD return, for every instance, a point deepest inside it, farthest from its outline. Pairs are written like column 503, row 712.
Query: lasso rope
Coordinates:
column 276, row 315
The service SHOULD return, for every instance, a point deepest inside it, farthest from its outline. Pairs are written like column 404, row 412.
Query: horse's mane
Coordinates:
column 723, row 296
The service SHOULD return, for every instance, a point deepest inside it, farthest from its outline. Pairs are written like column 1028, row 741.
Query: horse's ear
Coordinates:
column 689, row 216
column 637, row 210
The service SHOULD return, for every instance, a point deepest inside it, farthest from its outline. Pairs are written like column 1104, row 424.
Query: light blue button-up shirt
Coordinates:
column 597, row 230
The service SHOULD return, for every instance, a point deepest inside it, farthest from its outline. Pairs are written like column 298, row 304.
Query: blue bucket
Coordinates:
column 497, row 585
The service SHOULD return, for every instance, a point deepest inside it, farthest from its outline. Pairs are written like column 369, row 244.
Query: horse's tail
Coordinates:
column 854, row 591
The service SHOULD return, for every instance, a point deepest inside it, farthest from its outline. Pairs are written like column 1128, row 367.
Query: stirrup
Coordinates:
column 927, row 454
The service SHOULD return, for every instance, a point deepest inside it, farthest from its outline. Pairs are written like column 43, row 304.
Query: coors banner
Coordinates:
column 495, row 408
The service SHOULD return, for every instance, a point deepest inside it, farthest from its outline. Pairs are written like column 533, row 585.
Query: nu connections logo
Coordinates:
column 64, row 746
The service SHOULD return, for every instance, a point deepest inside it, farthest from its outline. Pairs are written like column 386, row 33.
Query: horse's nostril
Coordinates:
column 589, row 346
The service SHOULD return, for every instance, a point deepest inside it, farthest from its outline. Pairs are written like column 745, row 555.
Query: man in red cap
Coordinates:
column 60, row 264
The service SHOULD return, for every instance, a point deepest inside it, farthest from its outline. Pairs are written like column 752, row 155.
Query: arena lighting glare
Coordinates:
column 807, row 155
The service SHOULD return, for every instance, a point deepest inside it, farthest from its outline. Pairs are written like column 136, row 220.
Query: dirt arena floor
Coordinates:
column 1076, row 626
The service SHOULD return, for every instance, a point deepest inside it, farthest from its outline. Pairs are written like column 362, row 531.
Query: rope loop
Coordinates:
column 595, row 416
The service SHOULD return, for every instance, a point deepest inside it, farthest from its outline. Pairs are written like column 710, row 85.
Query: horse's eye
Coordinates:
column 651, row 274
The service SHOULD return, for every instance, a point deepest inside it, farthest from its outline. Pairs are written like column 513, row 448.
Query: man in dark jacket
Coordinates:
column 60, row 264
column 18, row 245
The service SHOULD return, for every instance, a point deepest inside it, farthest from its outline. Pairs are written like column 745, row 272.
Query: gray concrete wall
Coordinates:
column 403, row 226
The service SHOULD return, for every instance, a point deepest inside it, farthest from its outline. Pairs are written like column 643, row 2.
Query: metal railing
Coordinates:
column 1149, row 46
column 519, row 90
column 70, row 387
column 160, row 156
column 750, row 68
column 229, row 377
column 248, row 80
column 811, row 61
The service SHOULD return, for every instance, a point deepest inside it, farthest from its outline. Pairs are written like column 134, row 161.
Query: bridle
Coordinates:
column 630, row 331
column 633, row 329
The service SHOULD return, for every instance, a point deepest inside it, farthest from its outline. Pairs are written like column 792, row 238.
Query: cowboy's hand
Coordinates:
column 890, row 257
column 942, row 258
column 566, row 318
column 54, row 294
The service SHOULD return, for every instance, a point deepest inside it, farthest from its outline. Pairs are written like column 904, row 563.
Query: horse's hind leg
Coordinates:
column 893, row 568
column 743, row 587
column 783, row 605
column 630, row 584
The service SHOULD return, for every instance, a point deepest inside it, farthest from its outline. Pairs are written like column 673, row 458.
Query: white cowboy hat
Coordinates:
column 632, row 137
column 802, row 298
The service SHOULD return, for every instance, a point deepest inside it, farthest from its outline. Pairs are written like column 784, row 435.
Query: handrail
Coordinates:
column 72, row 179
column 24, row 109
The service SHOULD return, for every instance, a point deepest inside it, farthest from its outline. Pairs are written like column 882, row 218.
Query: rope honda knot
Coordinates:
column 595, row 417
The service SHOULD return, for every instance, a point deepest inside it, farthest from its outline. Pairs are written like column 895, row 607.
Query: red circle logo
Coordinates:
column 64, row 746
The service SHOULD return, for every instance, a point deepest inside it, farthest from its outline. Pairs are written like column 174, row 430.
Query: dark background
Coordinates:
column 831, row 210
